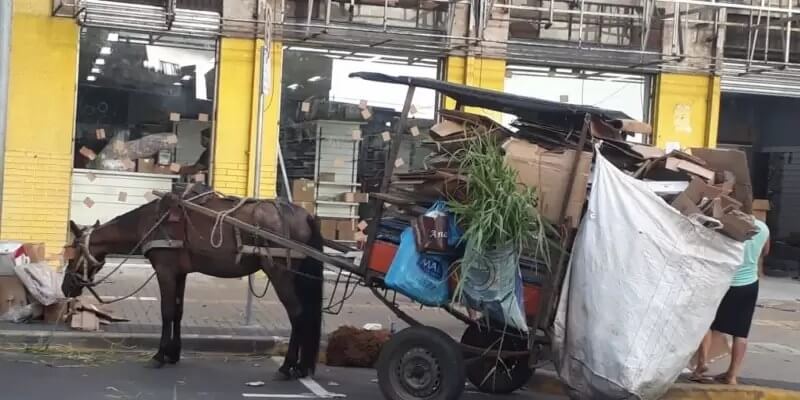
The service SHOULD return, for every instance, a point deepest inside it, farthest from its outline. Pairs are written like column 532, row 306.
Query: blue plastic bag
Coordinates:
column 421, row 277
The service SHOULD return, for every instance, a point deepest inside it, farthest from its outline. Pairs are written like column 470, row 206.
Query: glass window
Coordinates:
column 335, row 130
column 142, row 106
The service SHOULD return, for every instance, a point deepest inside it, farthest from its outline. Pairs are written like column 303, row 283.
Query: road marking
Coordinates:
column 318, row 390
column 279, row 396
column 773, row 348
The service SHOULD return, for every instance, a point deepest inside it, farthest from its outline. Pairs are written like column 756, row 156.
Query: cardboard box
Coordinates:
column 346, row 230
column 146, row 165
column 354, row 197
column 307, row 205
column 548, row 171
column 760, row 209
column 734, row 161
column 303, row 190
column 328, row 227
column 85, row 321
column 12, row 293
column 35, row 251
column 738, row 226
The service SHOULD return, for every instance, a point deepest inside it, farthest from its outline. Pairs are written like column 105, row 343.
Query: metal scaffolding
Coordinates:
column 750, row 39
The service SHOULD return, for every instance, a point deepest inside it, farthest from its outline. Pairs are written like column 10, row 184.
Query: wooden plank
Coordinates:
column 274, row 237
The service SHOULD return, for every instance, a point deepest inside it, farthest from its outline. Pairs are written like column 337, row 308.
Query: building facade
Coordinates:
column 84, row 73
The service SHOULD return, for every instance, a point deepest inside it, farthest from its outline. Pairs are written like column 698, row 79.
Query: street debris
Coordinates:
column 255, row 383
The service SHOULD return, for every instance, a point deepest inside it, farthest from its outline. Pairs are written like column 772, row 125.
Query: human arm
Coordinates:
column 764, row 253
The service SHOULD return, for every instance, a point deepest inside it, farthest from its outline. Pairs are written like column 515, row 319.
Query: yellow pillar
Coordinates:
column 237, row 103
column 486, row 73
column 41, row 120
column 686, row 110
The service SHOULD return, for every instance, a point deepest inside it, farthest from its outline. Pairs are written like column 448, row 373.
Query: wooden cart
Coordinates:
column 423, row 362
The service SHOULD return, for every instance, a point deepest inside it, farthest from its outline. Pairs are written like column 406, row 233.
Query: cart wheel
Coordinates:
column 490, row 374
column 421, row 362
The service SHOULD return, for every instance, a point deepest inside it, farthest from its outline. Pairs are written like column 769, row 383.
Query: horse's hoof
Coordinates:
column 154, row 364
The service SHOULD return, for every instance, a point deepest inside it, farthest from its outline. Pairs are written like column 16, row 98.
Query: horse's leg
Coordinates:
column 283, row 283
column 174, row 353
column 167, row 286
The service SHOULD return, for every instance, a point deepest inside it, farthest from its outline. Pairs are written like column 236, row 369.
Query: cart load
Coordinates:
column 496, row 218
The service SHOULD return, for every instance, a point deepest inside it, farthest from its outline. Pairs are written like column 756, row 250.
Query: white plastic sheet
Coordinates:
column 642, row 288
column 42, row 282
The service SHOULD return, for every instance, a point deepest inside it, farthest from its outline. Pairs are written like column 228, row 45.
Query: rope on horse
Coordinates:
column 217, row 233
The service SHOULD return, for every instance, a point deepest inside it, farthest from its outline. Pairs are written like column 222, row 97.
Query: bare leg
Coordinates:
column 737, row 359
column 702, row 356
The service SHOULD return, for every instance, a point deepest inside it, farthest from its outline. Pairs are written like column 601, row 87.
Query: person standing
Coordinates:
column 735, row 312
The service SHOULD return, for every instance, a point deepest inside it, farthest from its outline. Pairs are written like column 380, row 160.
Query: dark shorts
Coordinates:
column 735, row 313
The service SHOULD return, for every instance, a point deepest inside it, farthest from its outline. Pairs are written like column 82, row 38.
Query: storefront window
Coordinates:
column 142, row 107
column 608, row 90
column 335, row 130
column 143, row 119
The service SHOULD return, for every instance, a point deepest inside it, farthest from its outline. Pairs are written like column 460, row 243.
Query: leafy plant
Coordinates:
column 497, row 212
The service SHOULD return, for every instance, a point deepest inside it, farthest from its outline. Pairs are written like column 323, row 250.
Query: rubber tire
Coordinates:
column 506, row 381
column 440, row 345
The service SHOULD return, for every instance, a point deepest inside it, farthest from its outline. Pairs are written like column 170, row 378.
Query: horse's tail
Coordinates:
column 309, row 290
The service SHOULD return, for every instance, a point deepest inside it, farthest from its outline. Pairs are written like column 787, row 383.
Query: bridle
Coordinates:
column 85, row 261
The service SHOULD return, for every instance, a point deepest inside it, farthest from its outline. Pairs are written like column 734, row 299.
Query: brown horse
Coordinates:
column 179, row 241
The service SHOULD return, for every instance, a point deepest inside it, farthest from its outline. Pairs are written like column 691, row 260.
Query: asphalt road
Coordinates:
column 121, row 376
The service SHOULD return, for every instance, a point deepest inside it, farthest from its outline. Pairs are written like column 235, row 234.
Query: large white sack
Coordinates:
column 643, row 286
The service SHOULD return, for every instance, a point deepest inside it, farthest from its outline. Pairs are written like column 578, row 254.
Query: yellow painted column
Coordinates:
column 235, row 131
column 41, row 120
column 686, row 110
column 486, row 73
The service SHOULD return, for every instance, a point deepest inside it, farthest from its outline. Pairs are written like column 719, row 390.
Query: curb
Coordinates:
column 549, row 384
column 272, row 345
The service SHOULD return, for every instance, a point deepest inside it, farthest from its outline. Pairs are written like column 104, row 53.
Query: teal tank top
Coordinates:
column 748, row 272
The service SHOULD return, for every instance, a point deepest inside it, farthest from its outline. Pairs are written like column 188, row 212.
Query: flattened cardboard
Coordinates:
column 676, row 164
column 88, row 153
column 447, row 128
column 548, row 172
column 302, row 190
column 760, row 209
column 354, row 197
column 734, row 161
column 12, row 293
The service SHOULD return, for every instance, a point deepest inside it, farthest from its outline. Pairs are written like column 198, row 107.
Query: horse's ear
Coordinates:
column 96, row 223
column 74, row 228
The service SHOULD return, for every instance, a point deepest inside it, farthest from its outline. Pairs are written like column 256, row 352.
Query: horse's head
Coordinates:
column 82, row 265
